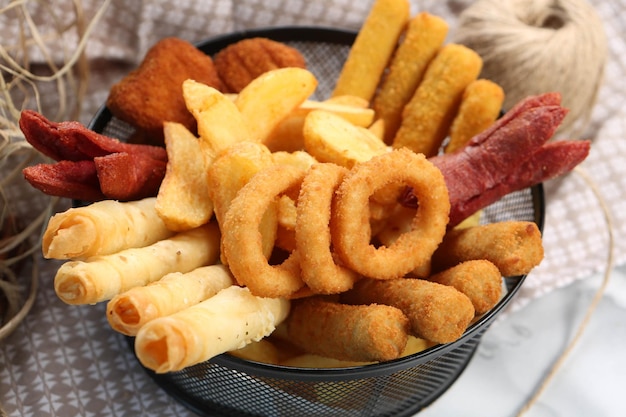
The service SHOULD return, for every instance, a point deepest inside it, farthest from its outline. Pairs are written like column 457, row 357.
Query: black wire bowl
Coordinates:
column 230, row 386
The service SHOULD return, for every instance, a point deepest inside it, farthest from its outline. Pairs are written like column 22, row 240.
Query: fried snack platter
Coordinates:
column 326, row 61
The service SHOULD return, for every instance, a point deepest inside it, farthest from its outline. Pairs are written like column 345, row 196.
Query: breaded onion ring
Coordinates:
column 242, row 240
column 313, row 238
column 351, row 231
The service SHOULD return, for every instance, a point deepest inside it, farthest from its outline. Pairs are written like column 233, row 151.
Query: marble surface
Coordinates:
column 518, row 351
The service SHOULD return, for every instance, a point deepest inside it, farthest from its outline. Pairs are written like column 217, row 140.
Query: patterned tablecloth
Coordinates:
column 65, row 361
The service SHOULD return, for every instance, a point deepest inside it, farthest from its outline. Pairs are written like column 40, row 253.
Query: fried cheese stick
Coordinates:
column 427, row 116
column 100, row 278
column 129, row 311
column 480, row 106
column 479, row 279
column 372, row 49
column 103, row 228
column 438, row 313
column 515, row 247
column 357, row 333
column 424, row 36
column 229, row 320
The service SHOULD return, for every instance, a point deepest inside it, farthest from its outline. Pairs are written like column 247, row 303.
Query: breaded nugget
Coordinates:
column 438, row 313
column 480, row 106
column 361, row 333
column 243, row 61
column 424, row 36
column 372, row 49
column 480, row 280
column 152, row 94
column 427, row 116
column 515, row 247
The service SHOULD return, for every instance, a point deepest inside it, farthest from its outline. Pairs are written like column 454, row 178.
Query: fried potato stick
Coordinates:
column 424, row 36
column 480, row 106
column 313, row 238
column 427, row 116
column 515, row 247
column 480, row 280
column 103, row 228
column 438, row 313
column 129, row 311
column 358, row 333
column 100, row 278
column 229, row 320
column 372, row 49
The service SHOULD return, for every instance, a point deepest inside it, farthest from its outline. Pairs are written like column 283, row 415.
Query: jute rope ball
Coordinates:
column 535, row 46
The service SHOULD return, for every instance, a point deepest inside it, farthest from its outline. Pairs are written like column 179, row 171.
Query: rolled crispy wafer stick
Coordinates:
column 515, row 247
column 129, row 311
column 360, row 333
column 372, row 49
column 227, row 321
column 438, row 313
column 103, row 228
column 100, row 278
column 424, row 36
column 480, row 280
column 480, row 106
column 427, row 116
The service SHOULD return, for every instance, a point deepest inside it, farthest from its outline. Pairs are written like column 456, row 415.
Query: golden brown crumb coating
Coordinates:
column 243, row 61
column 152, row 93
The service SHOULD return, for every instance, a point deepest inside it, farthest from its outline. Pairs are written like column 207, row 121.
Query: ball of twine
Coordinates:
column 535, row 46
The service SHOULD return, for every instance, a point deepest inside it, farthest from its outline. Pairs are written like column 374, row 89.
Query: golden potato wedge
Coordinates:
column 349, row 100
column 262, row 351
column 272, row 96
column 220, row 123
column 331, row 138
column 229, row 172
column 183, row 201
column 287, row 136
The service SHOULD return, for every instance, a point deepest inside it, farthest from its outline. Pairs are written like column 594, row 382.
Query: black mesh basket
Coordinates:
column 229, row 386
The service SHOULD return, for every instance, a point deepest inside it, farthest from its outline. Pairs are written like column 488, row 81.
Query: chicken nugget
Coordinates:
column 361, row 333
column 241, row 62
column 427, row 117
column 152, row 93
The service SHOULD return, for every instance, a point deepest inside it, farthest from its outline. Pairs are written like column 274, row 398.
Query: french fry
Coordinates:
column 272, row 96
column 424, row 36
column 427, row 117
column 220, row 123
column 183, row 200
column 480, row 106
column 372, row 49
column 331, row 138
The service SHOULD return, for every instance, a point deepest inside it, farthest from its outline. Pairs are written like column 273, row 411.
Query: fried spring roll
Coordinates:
column 427, row 116
column 480, row 280
column 129, row 311
column 372, row 49
column 356, row 333
column 100, row 278
column 103, row 228
column 480, row 106
column 515, row 247
column 424, row 36
column 436, row 312
column 229, row 320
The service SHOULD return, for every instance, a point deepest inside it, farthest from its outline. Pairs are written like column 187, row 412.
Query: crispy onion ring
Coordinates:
column 242, row 240
column 352, row 234
column 313, row 238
